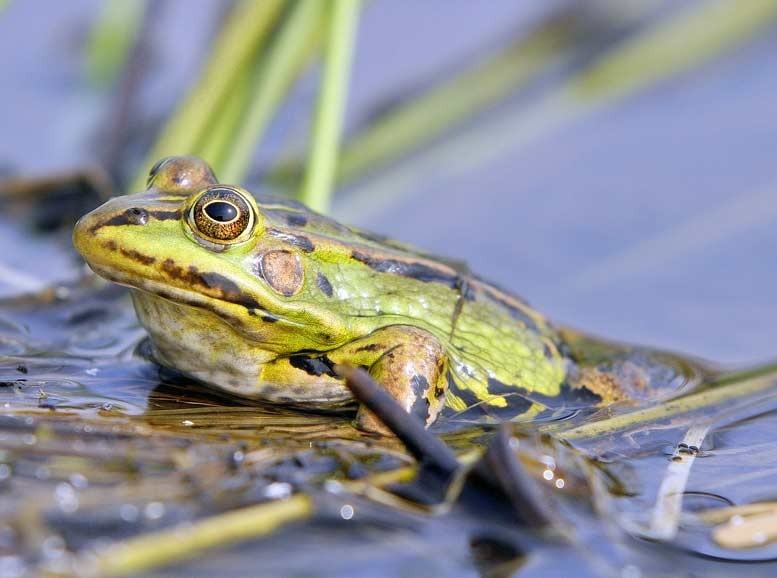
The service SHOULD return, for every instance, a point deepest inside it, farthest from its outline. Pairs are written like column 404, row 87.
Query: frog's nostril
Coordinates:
column 137, row 216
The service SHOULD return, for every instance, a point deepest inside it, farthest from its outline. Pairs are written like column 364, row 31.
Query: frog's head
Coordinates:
column 199, row 244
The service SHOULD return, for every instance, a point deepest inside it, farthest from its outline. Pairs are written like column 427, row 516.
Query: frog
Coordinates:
column 264, row 298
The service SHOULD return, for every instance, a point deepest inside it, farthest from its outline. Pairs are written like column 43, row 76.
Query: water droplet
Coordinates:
column 129, row 512
column 278, row 490
column 78, row 481
column 549, row 462
column 547, row 474
column 346, row 512
column 154, row 510
column 333, row 486
column 53, row 547
column 560, row 483
column 66, row 497
column 187, row 423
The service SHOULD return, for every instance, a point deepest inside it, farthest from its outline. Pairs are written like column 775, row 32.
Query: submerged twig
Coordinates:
column 420, row 442
column 669, row 501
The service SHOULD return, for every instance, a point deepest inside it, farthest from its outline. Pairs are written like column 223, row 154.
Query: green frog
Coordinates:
column 263, row 297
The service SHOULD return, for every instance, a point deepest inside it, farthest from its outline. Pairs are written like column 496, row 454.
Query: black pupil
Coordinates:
column 221, row 211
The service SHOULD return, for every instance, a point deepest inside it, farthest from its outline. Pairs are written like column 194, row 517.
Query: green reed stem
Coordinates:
column 322, row 161
column 233, row 53
column 111, row 39
column 674, row 46
column 224, row 125
column 291, row 50
column 448, row 105
column 166, row 547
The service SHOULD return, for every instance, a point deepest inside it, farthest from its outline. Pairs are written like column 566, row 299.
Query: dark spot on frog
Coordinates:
column 165, row 215
column 323, row 283
column 135, row 216
column 111, row 245
column 410, row 269
column 420, row 387
column 137, row 256
column 464, row 287
column 517, row 402
column 579, row 395
column 369, row 347
column 570, row 397
column 21, row 369
column 317, row 366
column 216, row 285
column 296, row 219
column 299, row 241
column 269, row 318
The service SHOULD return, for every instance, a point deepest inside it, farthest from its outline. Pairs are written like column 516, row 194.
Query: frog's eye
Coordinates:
column 222, row 215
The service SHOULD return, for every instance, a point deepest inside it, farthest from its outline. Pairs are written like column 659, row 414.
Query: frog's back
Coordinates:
column 501, row 352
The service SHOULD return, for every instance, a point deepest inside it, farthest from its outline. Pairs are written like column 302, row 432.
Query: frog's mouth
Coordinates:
column 213, row 293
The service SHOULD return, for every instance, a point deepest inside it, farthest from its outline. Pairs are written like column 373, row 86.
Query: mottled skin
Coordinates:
column 268, row 314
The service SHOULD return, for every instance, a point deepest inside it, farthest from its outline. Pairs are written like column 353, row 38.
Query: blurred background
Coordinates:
column 637, row 202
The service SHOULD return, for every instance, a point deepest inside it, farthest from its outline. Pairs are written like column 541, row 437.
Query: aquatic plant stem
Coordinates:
column 735, row 394
column 181, row 542
column 292, row 48
column 322, row 161
column 699, row 32
column 111, row 39
column 238, row 41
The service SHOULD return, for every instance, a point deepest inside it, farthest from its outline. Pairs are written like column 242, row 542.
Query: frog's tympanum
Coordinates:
column 263, row 298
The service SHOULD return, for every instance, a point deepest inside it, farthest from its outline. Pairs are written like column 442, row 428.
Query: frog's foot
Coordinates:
column 410, row 364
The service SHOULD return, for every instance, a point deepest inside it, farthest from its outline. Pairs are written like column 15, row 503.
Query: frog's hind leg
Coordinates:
column 409, row 363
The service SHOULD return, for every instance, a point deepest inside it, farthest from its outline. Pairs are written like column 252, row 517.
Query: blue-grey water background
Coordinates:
column 651, row 221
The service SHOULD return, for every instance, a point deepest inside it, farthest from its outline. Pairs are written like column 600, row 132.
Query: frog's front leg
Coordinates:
column 408, row 362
